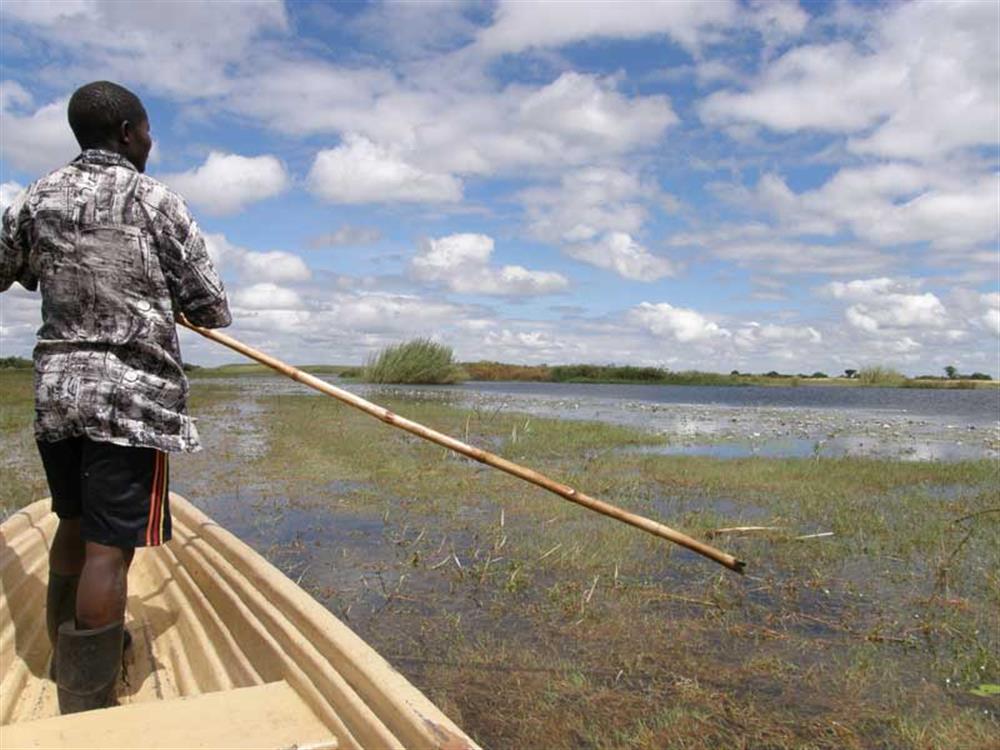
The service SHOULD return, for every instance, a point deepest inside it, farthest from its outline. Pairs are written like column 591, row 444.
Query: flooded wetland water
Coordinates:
column 867, row 618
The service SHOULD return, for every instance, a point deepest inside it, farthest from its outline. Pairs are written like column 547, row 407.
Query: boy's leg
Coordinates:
column 103, row 587
column 65, row 564
column 67, row 554
column 125, row 505
column 62, row 463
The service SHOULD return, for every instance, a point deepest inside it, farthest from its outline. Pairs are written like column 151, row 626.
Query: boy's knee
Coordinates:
column 101, row 594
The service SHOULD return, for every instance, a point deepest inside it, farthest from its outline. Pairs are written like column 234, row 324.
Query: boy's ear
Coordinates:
column 125, row 131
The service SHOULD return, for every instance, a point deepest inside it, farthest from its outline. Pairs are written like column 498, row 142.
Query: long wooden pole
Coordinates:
column 477, row 454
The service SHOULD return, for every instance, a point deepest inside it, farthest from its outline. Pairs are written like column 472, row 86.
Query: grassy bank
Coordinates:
column 500, row 371
column 537, row 624
column 252, row 369
column 21, row 477
column 868, row 377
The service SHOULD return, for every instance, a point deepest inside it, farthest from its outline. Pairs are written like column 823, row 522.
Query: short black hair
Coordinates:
column 98, row 109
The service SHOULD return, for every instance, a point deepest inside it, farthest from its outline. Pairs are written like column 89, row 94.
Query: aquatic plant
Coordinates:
column 415, row 361
column 880, row 375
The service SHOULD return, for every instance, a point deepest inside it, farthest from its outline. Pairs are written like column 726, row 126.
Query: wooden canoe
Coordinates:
column 227, row 653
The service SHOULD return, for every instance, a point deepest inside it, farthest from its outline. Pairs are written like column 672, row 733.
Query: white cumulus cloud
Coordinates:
column 552, row 23
column 681, row 324
column 887, row 204
column 267, row 296
column 619, row 252
column 991, row 318
column 920, row 84
column 594, row 214
column 228, row 183
column 276, row 265
column 360, row 171
column 581, row 108
column 756, row 336
column 884, row 304
column 586, row 203
column 462, row 263
column 186, row 49
column 34, row 139
column 271, row 265
column 8, row 192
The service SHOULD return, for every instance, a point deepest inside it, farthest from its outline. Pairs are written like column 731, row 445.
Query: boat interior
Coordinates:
column 227, row 652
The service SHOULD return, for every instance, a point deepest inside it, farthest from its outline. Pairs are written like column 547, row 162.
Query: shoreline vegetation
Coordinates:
column 486, row 371
column 424, row 362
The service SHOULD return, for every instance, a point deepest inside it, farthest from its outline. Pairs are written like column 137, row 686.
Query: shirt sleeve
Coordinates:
column 14, row 249
column 195, row 287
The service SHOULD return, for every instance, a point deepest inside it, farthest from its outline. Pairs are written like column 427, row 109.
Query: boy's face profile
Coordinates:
column 136, row 142
column 104, row 115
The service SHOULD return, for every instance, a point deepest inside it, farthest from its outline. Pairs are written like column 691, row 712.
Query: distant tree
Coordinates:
column 772, row 374
column 951, row 371
column 819, row 374
column 850, row 373
column 735, row 372
column 980, row 376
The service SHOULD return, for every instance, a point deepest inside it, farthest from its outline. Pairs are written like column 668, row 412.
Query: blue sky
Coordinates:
column 714, row 185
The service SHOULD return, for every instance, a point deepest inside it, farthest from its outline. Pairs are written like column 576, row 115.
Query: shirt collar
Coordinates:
column 103, row 158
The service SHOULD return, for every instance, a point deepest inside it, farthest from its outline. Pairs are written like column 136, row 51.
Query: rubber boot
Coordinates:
column 88, row 663
column 60, row 607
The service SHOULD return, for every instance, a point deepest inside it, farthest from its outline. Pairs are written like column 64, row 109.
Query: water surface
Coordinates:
column 730, row 422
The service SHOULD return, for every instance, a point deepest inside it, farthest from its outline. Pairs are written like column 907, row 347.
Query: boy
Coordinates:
column 117, row 257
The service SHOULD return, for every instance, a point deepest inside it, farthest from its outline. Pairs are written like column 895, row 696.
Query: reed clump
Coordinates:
column 880, row 375
column 418, row 361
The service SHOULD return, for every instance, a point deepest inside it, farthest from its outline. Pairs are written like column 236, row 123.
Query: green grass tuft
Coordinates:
column 416, row 361
column 880, row 375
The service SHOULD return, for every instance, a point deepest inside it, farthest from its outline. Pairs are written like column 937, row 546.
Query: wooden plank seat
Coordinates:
column 270, row 716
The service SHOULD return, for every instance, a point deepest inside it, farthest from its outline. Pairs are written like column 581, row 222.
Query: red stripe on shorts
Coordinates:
column 155, row 501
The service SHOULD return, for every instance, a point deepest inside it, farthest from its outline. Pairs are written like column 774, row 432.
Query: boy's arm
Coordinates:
column 14, row 250
column 195, row 287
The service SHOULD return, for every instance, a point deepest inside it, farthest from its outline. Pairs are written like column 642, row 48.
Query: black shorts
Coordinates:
column 119, row 493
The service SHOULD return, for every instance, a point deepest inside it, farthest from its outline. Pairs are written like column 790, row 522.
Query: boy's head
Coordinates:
column 105, row 115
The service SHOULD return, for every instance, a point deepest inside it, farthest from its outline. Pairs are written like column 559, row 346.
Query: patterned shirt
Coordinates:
column 116, row 255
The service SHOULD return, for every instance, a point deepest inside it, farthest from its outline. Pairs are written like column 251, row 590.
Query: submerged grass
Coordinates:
column 537, row 624
column 21, row 474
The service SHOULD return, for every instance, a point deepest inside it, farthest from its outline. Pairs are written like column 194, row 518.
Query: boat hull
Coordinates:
column 208, row 615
